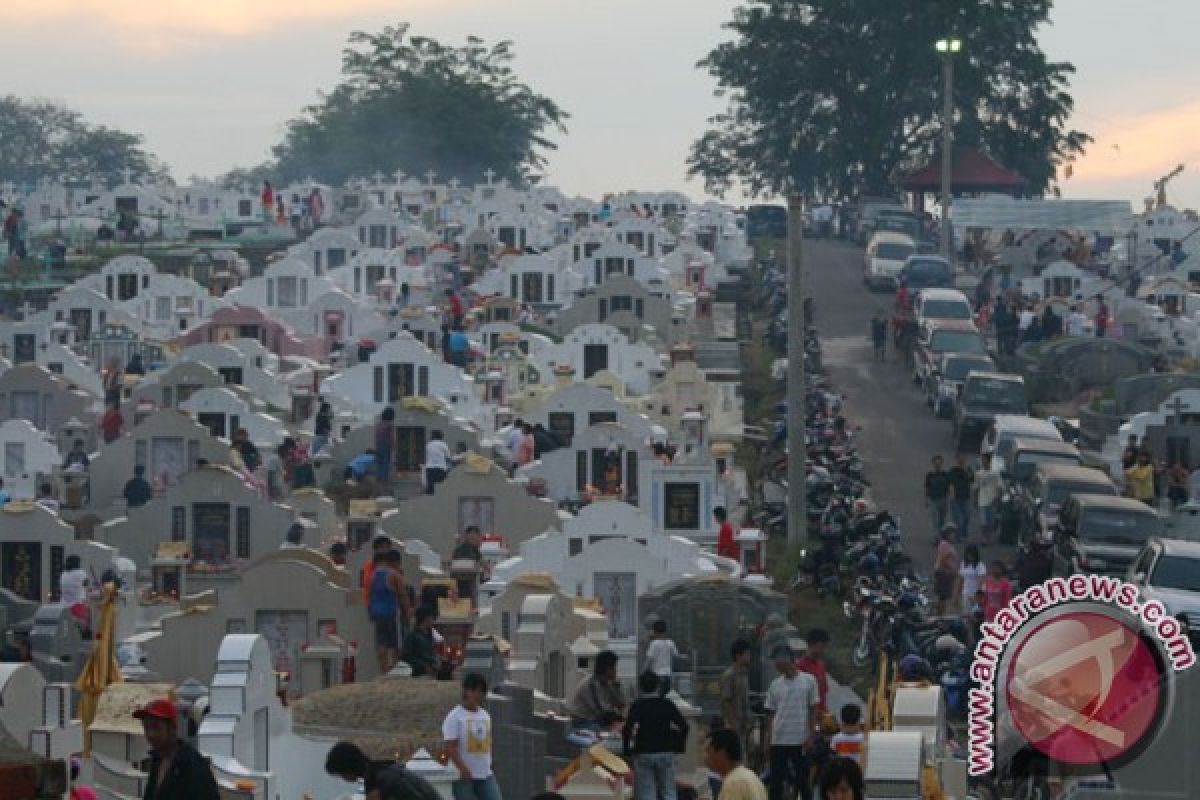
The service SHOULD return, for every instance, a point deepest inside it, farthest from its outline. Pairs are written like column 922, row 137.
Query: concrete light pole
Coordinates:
column 948, row 47
column 797, row 505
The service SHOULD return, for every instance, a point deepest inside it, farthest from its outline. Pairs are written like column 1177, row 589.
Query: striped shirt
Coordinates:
column 791, row 701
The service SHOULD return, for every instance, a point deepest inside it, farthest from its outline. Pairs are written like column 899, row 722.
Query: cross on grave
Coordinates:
column 489, row 173
column 453, row 184
column 398, row 175
column 1178, row 407
column 429, row 176
column 26, row 310
column 378, row 178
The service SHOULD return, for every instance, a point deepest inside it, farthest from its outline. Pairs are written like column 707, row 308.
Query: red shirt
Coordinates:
column 817, row 669
column 726, row 546
column 111, row 424
column 997, row 592
column 456, row 306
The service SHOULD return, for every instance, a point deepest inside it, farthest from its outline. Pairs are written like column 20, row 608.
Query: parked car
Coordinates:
column 868, row 211
column 983, row 396
column 884, row 258
column 1168, row 570
column 1102, row 534
column 1037, row 505
column 1024, row 456
column 944, row 383
column 941, row 304
column 938, row 337
column 927, row 272
column 1006, row 428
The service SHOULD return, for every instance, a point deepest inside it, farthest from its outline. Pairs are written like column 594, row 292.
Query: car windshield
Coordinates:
column 1176, row 572
column 957, row 342
column 1118, row 527
column 958, row 368
column 945, row 309
column 893, row 251
column 1026, row 463
column 921, row 273
column 993, row 393
column 1059, row 492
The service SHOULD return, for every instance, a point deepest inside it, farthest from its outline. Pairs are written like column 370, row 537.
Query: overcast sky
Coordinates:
column 210, row 83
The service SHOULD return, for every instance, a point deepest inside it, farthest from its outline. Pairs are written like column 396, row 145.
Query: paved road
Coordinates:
column 899, row 434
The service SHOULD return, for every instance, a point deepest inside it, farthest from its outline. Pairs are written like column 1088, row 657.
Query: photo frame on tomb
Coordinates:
column 21, row 569
column 168, row 458
column 477, row 511
column 617, row 592
column 211, row 524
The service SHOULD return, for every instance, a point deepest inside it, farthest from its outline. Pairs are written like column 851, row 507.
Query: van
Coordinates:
column 1025, row 455
column 885, row 257
column 1102, row 534
column 1006, row 427
column 1052, row 485
column 983, row 396
column 927, row 272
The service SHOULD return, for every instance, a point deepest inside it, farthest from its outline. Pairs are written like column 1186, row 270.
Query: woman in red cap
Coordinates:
column 177, row 770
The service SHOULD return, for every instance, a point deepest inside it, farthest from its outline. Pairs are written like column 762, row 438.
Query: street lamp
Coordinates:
column 948, row 47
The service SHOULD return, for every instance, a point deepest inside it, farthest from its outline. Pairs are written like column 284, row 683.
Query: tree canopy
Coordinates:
column 42, row 139
column 410, row 103
column 837, row 98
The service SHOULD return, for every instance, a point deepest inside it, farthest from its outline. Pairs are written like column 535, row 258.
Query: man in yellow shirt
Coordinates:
column 1140, row 479
column 723, row 755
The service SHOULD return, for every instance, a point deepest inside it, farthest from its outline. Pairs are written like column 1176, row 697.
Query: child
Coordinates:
column 848, row 743
column 660, row 656
column 997, row 591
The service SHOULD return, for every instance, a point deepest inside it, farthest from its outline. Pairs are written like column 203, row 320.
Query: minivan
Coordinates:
column 1103, row 534
column 983, row 396
column 1024, row 456
column 885, row 256
column 1051, row 487
column 1006, row 427
column 927, row 272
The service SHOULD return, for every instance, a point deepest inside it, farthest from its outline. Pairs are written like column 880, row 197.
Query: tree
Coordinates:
column 838, row 98
column 411, row 103
column 39, row 139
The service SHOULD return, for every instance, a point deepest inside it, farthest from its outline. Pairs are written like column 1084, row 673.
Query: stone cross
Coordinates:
column 398, row 175
column 453, row 183
column 489, row 173
column 429, row 176
column 378, row 177
column 1178, row 407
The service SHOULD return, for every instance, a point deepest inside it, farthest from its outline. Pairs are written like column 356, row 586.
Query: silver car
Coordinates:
column 1168, row 570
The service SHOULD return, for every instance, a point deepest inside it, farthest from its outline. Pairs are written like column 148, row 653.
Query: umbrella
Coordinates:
column 101, row 669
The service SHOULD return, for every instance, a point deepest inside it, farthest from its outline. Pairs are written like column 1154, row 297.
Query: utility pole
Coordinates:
column 797, row 505
column 947, row 47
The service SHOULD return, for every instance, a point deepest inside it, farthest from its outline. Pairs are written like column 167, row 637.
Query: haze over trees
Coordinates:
column 839, row 98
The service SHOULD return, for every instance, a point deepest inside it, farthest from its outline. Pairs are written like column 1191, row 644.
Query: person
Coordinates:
column 10, row 232
column 22, row 235
column 653, row 733
column 735, row 691
column 322, row 427
column 361, row 465
column 77, row 459
column 18, row 651
column 280, row 209
column 723, row 756
column 405, row 296
column 459, row 347
column 138, row 490
column 337, row 553
column 848, row 741
column 1035, row 563
column 1025, row 319
column 879, row 331
column 527, row 446
column 599, row 701
column 997, row 591
column 294, row 536
column 1139, row 479
column 726, row 542
column 1076, row 322
column 387, row 590
column 245, row 450
column 1101, row 321
column 418, row 651
column 382, row 780
column 543, row 440
column 989, row 486
column 80, row 791
column 385, row 436
column 660, row 656
column 268, row 200
column 437, row 460
column 937, row 492
column 467, row 731
column 135, row 366
column 1178, row 484
column 177, row 771
column 316, row 207
column 111, row 424
column 513, row 440
column 454, row 308
column 791, row 706
column 379, row 545
column 470, row 546
column 5, row 497
column 813, row 662
column 73, row 586
column 1052, row 324
column 970, row 575
column 842, row 779
column 961, row 478
column 45, row 498
column 945, row 571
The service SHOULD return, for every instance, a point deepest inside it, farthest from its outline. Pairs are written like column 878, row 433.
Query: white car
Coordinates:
column 885, row 256
column 1168, row 570
column 941, row 304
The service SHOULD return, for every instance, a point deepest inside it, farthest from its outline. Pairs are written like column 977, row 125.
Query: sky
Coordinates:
column 210, row 84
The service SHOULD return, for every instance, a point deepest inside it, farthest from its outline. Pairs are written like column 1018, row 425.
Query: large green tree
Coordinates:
column 411, row 103
column 836, row 98
column 41, row 139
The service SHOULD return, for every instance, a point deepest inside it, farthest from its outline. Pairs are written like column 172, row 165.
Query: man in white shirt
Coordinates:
column 467, row 731
column 791, row 704
column 1076, row 322
column 660, row 657
column 513, row 440
column 437, row 461
column 73, row 587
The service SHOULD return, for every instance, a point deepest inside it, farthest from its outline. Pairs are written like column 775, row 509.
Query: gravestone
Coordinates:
column 704, row 616
column 1060, row 369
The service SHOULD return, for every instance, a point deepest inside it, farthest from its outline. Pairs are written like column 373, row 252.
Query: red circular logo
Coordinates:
column 1084, row 688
